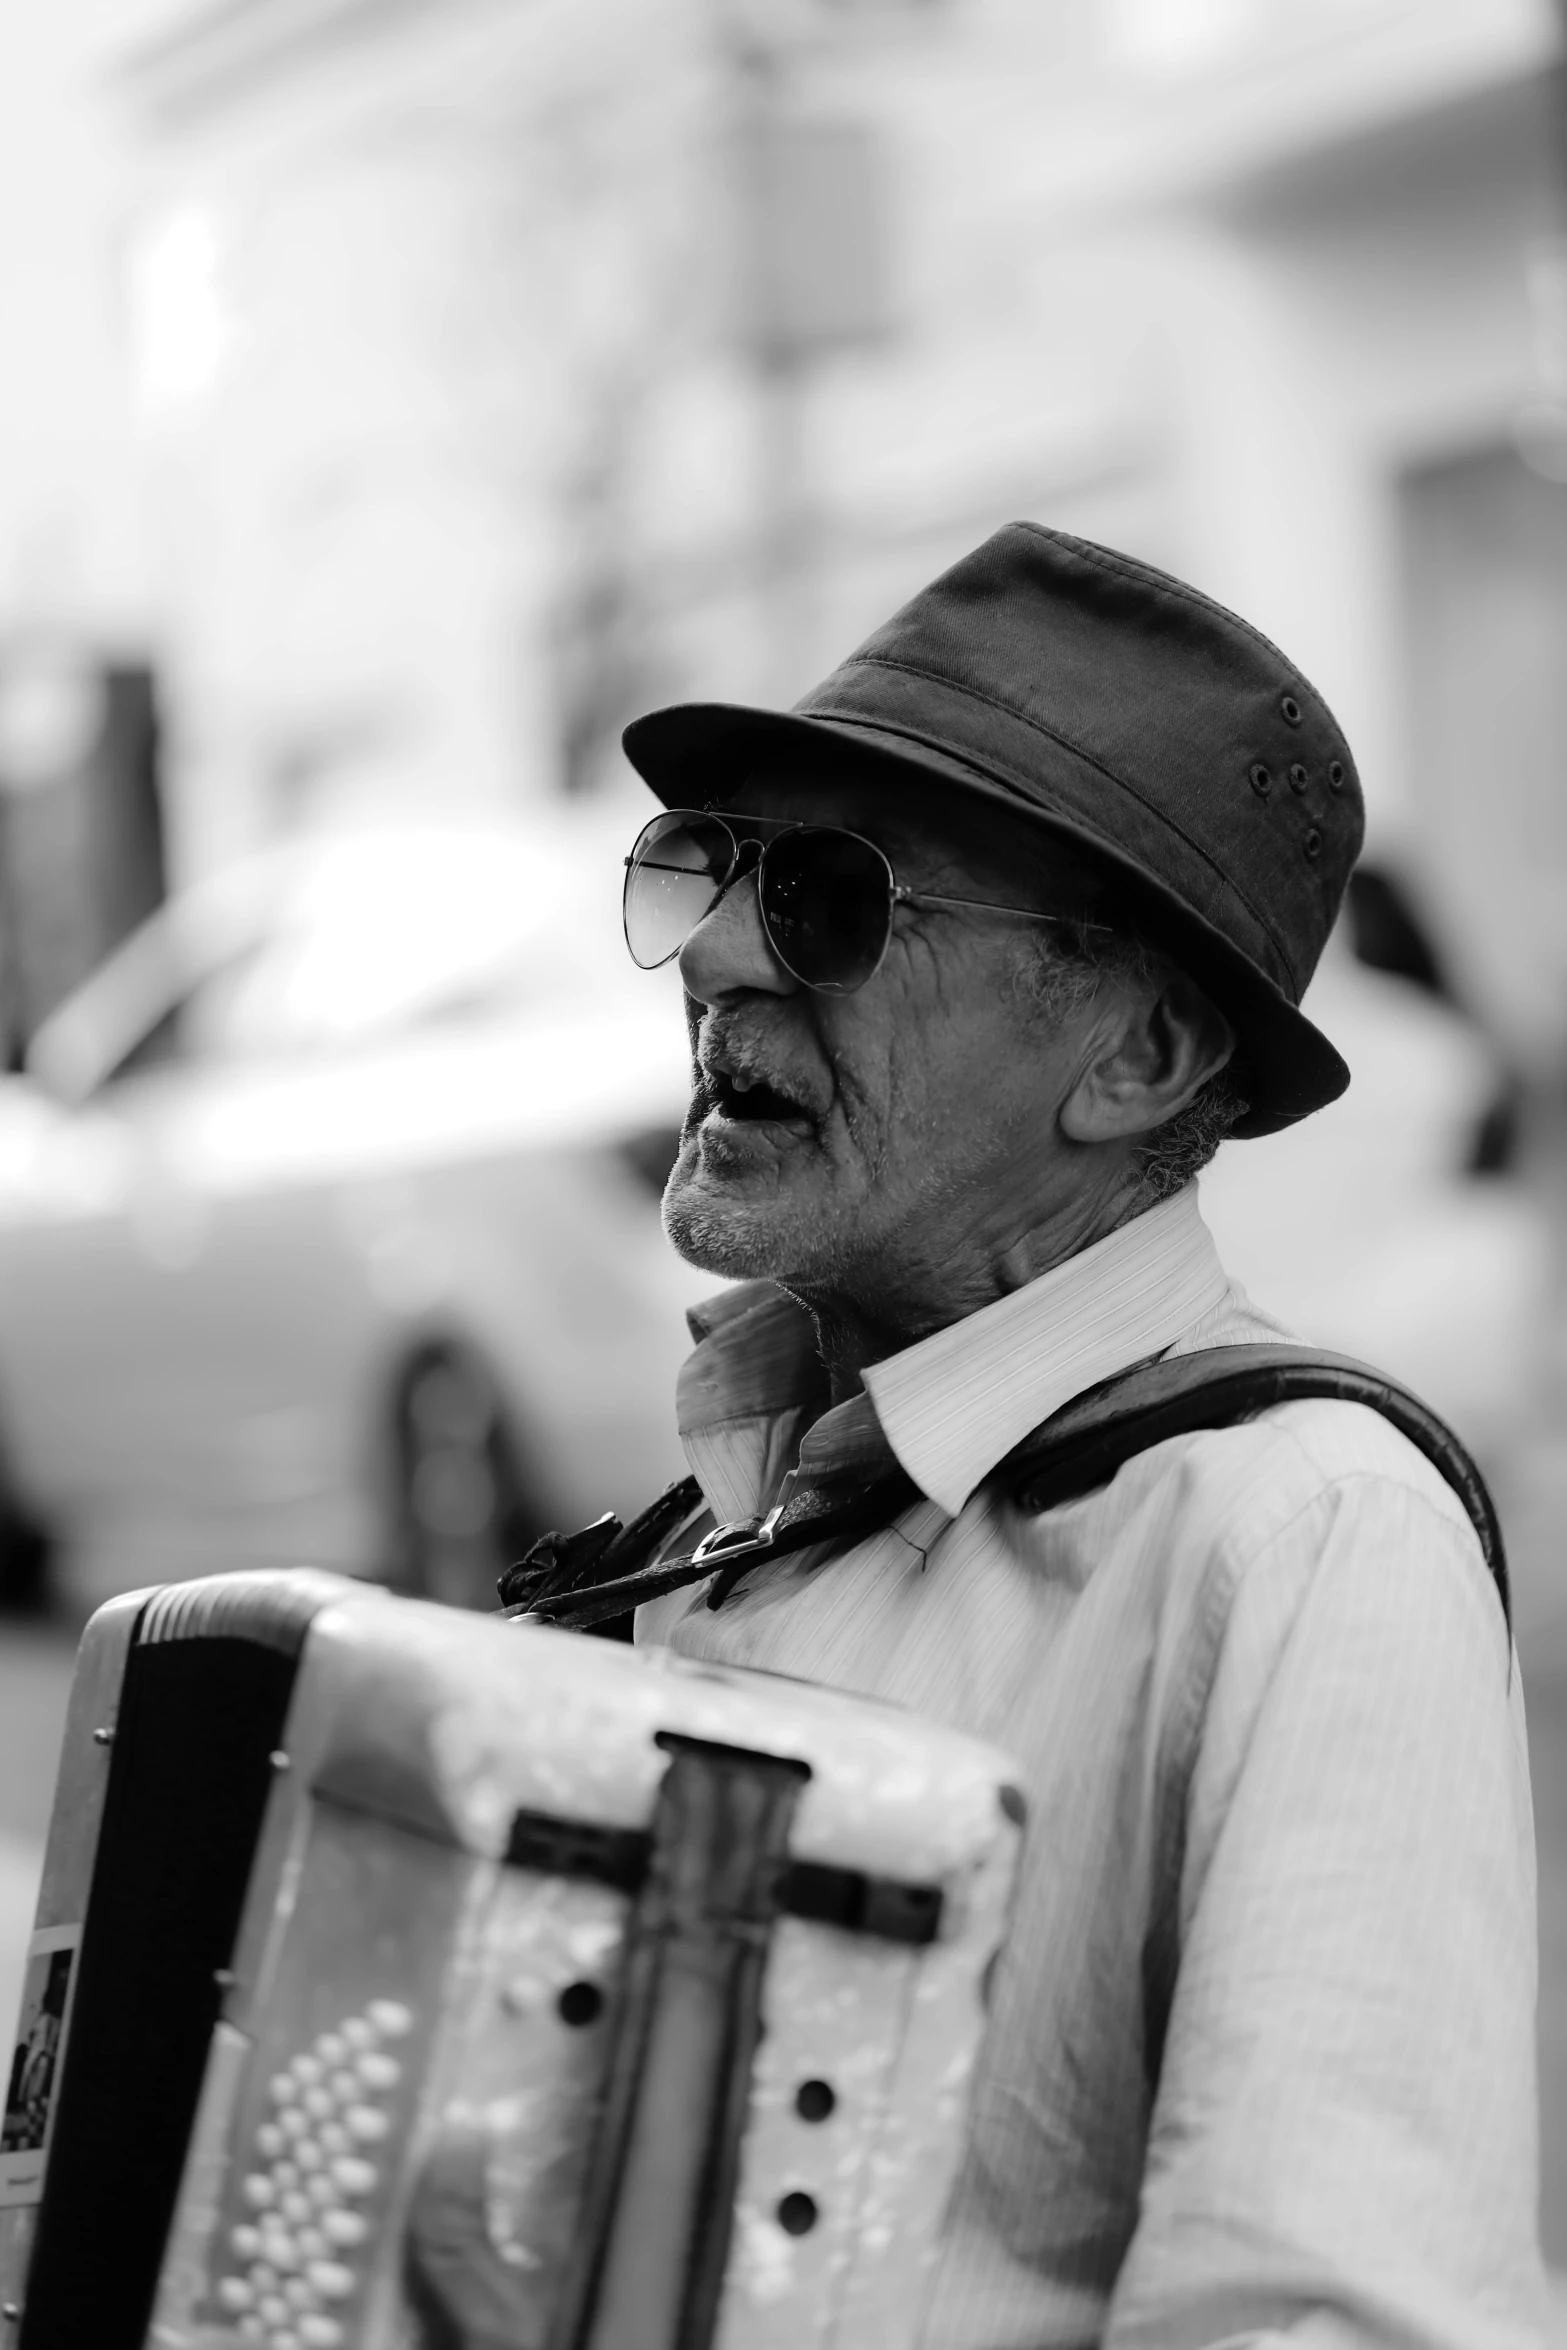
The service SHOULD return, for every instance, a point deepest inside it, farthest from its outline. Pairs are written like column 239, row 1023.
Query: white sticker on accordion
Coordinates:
column 34, row 2078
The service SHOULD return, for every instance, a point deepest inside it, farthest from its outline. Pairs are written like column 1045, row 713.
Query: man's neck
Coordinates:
column 866, row 1320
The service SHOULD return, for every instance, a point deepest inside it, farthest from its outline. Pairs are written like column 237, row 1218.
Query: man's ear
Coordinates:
column 1151, row 1051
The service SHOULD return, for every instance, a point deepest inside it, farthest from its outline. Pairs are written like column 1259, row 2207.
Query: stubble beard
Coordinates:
column 723, row 1213
column 831, row 1237
column 767, row 1236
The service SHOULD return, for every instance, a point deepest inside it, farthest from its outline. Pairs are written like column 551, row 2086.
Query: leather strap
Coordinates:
column 1074, row 1452
column 649, row 2251
column 818, row 1514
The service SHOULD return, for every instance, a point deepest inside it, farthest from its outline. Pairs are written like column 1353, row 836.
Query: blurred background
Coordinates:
column 398, row 395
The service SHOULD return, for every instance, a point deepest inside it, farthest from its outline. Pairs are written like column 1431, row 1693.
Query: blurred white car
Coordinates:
column 328, row 1223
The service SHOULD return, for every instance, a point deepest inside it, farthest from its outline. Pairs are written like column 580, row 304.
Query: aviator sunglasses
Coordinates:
column 826, row 897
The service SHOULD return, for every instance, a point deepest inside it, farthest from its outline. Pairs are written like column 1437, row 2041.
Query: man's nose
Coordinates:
column 728, row 952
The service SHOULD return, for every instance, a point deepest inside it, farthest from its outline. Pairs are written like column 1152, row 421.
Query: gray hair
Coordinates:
column 1060, row 970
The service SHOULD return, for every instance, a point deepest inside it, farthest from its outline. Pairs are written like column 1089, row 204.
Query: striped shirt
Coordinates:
column 1260, row 2064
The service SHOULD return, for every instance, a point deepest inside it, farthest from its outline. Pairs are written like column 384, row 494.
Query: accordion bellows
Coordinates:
column 439, row 1981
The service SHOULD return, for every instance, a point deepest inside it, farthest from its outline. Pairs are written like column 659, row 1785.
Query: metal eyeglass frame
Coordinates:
column 898, row 894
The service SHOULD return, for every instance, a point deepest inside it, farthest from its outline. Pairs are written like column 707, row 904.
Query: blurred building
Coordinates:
column 490, row 370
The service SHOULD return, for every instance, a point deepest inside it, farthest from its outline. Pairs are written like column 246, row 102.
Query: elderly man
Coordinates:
column 986, row 946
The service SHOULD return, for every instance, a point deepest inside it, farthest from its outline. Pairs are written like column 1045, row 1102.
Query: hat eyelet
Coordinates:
column 1290, row 710
column 1312, row 844
column 1298, row 777
column 1261, row 780
column 1335, row 775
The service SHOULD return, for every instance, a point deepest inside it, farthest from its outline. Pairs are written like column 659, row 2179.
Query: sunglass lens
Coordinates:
column 827, row 904
column 672, row 876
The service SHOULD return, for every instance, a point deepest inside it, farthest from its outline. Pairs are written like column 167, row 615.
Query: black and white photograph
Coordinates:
column 783, row 1174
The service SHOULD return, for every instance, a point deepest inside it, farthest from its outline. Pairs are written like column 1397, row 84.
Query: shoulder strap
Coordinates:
column 586, row 1578
column 1081, row 1447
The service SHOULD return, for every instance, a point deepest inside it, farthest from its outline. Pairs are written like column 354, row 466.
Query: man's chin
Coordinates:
column 721, row 1217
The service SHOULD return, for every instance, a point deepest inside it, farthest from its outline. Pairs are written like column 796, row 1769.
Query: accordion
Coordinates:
column 406, row 1980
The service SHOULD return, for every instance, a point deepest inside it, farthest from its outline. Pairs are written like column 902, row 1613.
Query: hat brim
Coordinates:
column 696, row 751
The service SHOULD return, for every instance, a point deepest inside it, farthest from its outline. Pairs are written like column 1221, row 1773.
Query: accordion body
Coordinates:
column 406, row 1980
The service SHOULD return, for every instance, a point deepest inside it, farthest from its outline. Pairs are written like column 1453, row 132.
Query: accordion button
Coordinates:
column 307, row 2154
column 365, row 2124
column 258, row 2191
column 270, row 2139
column 354, row 2176
column 332, row 2138
column 343, row 2227
column 331, row 2279
column 297, row 2208
column 331, row 2048
column 320, row 2333
column 286, row 2340
column 318, row 2103
column 344, row 2087
column 246, row 2242
column 390, row 2017
column 273, row 2309
column 378, row 2071
column 307, row 2069
column 358, row 2032
column 234, row 2293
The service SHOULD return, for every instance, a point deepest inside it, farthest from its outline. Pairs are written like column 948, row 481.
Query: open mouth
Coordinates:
column 749, row 1101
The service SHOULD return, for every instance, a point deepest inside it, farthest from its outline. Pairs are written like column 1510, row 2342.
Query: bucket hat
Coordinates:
column 1119, row 708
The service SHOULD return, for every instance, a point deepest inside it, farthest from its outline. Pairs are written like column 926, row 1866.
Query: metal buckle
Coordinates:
column 729, row 1537
column 738, row 1534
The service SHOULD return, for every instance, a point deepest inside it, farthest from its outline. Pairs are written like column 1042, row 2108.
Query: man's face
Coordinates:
column 849, row 1145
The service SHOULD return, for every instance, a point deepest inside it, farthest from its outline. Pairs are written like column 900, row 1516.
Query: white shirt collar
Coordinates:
column 955, row 1403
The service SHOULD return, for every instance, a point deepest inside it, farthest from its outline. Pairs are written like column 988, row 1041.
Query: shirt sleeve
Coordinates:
column 1343, row 2147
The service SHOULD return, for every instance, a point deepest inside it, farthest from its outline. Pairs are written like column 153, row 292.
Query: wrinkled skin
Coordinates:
column 942, row 1141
